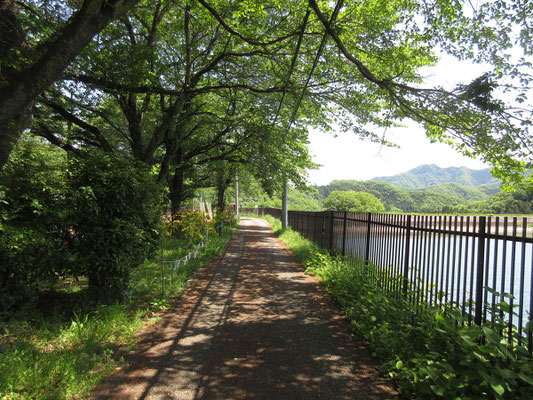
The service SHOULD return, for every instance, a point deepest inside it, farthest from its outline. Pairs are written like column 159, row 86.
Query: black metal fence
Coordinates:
column 466, row 261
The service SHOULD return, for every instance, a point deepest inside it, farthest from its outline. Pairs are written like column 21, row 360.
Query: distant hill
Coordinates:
column 403, row 200
column 431, row 189
column 427, row 188
column 465, row 193
column 427, row 176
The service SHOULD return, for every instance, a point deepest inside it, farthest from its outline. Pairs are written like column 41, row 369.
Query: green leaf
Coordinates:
column 491, row 335
column 438, row 390
column 505, row 306
column 496, row 383
column 498, row 388
column 399, row 364
column 503, row 349
column 440, row 317
column 526, row 378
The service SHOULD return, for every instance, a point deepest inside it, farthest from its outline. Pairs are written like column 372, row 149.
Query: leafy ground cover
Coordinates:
column 431, row 352
column 62, row 345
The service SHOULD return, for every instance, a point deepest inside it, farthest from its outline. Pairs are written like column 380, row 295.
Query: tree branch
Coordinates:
column 234, row 32
column 104, row 144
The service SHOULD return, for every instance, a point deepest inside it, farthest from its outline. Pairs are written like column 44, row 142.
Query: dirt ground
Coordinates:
column 252, row 325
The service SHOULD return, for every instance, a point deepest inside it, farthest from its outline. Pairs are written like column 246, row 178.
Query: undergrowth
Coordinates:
column 62, row 348
column 431, row 353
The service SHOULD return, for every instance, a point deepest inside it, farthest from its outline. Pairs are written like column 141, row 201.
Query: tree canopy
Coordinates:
column 353, row 201
column 167, row 80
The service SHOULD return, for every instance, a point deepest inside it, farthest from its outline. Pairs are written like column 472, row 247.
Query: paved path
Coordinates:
column 251, row 326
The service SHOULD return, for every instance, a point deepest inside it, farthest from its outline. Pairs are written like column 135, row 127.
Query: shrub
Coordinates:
column 191, row 225
column 92, row 215
column 114, row 220
column 32, row 221
column 224, row 218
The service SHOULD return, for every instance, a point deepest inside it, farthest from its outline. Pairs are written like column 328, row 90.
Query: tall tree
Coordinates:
column 184, row 96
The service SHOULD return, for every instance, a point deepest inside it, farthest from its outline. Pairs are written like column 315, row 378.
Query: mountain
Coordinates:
column 465, row 193
column 426, row 176
column 427, row 188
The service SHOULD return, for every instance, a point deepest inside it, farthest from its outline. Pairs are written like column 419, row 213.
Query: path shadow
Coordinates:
column 253, row 326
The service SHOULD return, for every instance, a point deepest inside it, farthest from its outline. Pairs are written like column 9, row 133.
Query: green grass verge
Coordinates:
column 63, row 348
column 432, row 354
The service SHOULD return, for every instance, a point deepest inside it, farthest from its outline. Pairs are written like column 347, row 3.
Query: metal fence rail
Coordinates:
column 465, row 261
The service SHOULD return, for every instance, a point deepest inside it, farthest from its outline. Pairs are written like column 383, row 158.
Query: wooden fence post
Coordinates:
column 481, row 236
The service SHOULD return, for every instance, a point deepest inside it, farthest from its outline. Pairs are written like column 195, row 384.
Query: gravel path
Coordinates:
column 252, row 325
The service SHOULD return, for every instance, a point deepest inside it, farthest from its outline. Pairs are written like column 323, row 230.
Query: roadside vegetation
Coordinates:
column 115, row 113
column 432, row 353
column 61, row 342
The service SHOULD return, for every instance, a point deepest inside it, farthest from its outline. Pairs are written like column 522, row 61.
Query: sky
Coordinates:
column 347, row 157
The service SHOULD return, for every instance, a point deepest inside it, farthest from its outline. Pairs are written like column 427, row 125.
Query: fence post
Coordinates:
column 344, row 234
column 314, row 238
column 323, row 229
column 481, row 236
column 367, row 245
column 406, row 255
column 332, row 213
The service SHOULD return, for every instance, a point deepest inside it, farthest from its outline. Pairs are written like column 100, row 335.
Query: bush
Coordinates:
column 433, row 352
column 92, row 215
column 32, row 221
column 191, row 225
column 114, row 220
column 224, row 218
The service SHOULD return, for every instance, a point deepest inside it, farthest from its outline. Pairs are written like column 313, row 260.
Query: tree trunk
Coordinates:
column 222, row 185
column 221, row 191
column 10, row 133
column 176, row 190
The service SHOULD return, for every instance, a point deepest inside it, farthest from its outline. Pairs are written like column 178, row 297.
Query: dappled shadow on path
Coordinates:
column 252, row 326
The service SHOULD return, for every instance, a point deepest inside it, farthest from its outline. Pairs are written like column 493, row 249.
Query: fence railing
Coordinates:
column 465, row 261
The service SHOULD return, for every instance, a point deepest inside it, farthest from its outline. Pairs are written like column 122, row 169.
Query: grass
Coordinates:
column 61, row 346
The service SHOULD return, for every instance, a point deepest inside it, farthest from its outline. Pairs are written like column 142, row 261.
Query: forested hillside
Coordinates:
column 398, row 199
column 434, row 190
column 425, row 176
